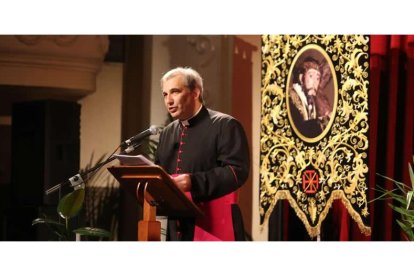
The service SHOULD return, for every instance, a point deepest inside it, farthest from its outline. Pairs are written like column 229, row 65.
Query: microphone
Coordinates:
column 153, row 130
column 76, row 182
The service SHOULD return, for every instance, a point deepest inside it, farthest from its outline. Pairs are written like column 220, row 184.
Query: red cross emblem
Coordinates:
column 310, row 181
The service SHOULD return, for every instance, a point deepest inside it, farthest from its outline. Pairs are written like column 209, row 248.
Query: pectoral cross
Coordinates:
column 311, row 107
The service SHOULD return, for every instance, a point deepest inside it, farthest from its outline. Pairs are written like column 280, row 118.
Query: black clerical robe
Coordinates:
column 304, row 123
column 211, row 147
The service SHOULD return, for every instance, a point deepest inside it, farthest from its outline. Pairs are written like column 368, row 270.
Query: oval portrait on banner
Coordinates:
column 312, row 93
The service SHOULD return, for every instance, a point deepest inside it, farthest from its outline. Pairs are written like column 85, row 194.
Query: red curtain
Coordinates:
column 391, row 104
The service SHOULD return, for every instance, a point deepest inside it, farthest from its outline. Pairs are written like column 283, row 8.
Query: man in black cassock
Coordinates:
column 205, row 152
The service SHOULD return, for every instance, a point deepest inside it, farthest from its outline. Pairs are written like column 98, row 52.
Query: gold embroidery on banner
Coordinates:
column 298, row 103
column 338, row 154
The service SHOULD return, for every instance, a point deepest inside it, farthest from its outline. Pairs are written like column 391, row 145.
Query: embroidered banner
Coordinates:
column 314, row 126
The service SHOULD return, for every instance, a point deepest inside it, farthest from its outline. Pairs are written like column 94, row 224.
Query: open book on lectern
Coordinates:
column 133, row 160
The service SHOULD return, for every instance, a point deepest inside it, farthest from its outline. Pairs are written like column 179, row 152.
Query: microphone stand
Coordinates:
column 77, row 180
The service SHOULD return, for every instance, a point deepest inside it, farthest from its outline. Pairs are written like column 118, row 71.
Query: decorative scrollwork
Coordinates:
column 338, row 156
column 204, row 46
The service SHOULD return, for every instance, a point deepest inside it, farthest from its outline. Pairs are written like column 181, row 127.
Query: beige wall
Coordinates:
column 160, row 65
column 101, row 115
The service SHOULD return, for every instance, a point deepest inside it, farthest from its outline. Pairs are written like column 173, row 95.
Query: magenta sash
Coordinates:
column 217, row 224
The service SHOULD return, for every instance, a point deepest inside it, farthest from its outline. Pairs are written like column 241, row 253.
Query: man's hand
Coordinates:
column 183, row 182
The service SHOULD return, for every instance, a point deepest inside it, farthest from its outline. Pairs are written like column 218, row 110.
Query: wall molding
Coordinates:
column 70, row 62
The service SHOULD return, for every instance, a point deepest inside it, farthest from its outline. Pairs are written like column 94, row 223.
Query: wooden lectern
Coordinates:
column 157, row 193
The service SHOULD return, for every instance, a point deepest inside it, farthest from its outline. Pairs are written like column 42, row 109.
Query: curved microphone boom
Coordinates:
column 77, row 181
column 153, row 130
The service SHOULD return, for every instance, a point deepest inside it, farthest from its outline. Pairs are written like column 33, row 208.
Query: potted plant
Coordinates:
column 69, row 208
column 401, row 202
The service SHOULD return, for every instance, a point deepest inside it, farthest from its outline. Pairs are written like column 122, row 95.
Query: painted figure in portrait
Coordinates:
column 310, row 94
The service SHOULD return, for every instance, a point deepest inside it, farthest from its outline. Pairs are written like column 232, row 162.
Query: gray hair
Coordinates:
column 191, row 76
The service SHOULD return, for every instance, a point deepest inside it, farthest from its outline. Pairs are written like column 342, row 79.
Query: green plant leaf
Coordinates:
column 389, row 178
column 385, row 195
column 403, row 211
column 47, row 221
column 407, row 230
column 70, row 205
column 401, row 197
column 410, row 170
column 409, row 197
column 56, row 227
column 94, row 232
column 410, row 193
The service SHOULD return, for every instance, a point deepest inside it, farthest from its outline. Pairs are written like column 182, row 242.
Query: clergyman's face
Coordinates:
column 311, row 79
column 180, row 102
